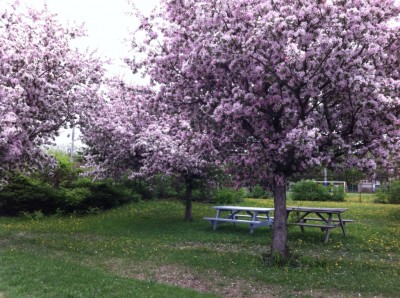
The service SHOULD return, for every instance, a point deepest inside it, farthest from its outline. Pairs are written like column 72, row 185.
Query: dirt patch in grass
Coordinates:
column 210, row 281
column 184, row 277
column 224, row 247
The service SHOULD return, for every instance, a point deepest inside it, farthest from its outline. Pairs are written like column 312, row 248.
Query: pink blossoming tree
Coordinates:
column 284, row 86
column 131, row 134
column 44, row 84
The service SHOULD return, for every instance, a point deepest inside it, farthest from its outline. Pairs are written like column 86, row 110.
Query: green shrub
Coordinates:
column 382, row 195
column 105, row 195
column 28, row 194
column 25, row 195
column 63, row 174
column 257, row 192
column 141, row 187
column 389, row 194
column 229, row 196
column 61, row 190
column 75, row 197
column 337, row 193
column 201, row 194
column 36, row 215
column 79, row 182
column 164, row 187
column 394, row 191
column 308, row 190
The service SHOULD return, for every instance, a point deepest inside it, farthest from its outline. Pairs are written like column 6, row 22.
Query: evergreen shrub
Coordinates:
column 61, row 190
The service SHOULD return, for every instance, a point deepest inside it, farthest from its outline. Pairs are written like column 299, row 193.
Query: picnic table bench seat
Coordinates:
column 332, row 220
column 233, row 220
column 249, row 216
column 303, row 224
column 252, row 223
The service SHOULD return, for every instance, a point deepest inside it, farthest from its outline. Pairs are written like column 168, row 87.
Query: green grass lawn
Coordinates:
column 146, row 250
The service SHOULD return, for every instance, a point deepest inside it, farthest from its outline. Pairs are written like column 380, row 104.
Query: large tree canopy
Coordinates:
column 283, row 85
column 44, row 83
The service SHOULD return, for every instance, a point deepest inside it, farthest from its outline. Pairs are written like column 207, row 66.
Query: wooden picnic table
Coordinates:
column 255, row 217
column 326, row 218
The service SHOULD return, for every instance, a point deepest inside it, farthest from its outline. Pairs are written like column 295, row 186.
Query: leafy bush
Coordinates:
column 202, row 194
column 105, row 195
column 24, row 194
column 308, row 190
column 337, row 193
column 257, row 192
column 164, row 187
column 382, row 195
column 228, row 196
column 389, row 194
column 27, row 194
column 61, row 190
column 141, row 187
column 74, row 197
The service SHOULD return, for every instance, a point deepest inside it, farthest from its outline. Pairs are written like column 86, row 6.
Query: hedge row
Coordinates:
column 308, row 190
column 29, row 194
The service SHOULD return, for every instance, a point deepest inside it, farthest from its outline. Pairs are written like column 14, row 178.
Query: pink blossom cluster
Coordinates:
column 282, row 85
column 130, row 134
column 44, row 83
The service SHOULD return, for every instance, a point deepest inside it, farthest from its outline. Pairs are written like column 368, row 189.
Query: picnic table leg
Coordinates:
column 342, row 225
column 328, row 229
column 233, row 216
column 303, row 219
column 214, row 224
column 271, row 221
column 251, row 229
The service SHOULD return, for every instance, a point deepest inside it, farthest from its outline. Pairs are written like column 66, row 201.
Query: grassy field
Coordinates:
column 146, row 250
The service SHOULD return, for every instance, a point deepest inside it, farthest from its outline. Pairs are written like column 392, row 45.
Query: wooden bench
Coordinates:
column 303, row 223
column 252, row 223
column 249, row 216
column 332, row 220
column 323, row 227
column 233, row 220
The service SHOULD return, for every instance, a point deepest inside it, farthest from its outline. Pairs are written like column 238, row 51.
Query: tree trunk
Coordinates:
column 188, row 199
column 279, row 243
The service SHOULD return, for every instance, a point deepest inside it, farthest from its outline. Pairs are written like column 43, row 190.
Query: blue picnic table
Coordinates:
column 255, row 217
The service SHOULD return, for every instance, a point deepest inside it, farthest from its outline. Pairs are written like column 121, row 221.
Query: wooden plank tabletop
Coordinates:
column 243, row 208
column 316, row 209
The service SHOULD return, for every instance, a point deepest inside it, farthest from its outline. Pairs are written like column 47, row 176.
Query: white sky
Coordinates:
column 108, row 25
column 107, row 22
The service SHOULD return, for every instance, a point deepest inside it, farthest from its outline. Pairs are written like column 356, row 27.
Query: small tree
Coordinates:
column 44, row 84
column 135, row 136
